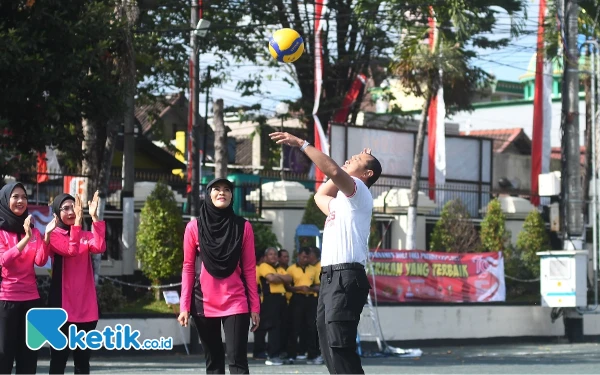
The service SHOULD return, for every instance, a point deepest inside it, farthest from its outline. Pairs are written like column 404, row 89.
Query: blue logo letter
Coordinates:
column 43, row 325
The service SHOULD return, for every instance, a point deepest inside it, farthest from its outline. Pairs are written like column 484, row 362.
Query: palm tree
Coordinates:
column 462, row 28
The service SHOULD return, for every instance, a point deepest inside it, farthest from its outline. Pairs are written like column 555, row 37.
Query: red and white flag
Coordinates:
column 321, row 142
column 542, row 111
column 341, row 116
column 436, row 129
column 47, row 163
column 191, row 109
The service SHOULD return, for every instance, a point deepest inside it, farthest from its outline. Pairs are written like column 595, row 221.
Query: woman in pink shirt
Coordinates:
column 73, row 287
column 21, row 246
column 219, row 280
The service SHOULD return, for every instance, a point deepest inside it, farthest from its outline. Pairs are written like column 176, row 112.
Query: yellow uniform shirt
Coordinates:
column 318, row 267
column 303, row 277
column 266, row 269
column 258, row 285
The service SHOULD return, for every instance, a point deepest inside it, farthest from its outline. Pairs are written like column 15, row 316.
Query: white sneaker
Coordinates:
column 274, row 362
column 315, row 361
column 301, row 357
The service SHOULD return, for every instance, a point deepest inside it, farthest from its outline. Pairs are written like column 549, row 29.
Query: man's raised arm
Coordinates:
column 340, row 178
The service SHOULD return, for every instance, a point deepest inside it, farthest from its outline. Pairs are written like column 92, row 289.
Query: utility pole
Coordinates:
column 127, row 196
column 571, row 190
column 193, row 134
column 573, row 233
column 221, row 157
column 205, row 135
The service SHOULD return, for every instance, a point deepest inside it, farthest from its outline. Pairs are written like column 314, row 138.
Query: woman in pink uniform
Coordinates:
column 219, row 280
column 21, row 246
column 73, row 287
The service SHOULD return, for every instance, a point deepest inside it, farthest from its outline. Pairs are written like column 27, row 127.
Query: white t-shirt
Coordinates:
column 346, row 232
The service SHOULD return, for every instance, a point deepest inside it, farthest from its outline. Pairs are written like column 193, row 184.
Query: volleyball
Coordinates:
column 286, row 45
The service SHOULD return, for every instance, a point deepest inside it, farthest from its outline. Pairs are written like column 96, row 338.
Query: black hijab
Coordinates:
column 8, row 220
column 55, row 295
column 58, row 201
column 221, row 235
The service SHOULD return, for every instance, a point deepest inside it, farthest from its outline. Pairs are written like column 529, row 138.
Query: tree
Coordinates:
column 54, row 72
column 454, row 232
column 160, row 236
column 460, row 28
column 493, row 232
column 263, row 238
column 313, row 214
column 531, row 240
column 375, row 234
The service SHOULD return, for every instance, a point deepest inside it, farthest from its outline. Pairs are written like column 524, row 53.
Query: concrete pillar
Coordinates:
column 396, row 202
column 283, row 205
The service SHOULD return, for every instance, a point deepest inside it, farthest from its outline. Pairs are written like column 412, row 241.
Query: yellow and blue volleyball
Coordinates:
column 286, row 45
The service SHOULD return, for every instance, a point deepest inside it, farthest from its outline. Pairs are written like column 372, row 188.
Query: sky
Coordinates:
column 506, row 64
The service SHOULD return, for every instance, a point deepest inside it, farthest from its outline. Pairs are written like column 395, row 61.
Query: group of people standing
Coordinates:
column 72, row 287
column 220, row 273
column 288, row 307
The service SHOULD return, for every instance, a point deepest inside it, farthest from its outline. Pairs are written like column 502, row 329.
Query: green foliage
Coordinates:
column 493, row 232
column 454, row 232
column 532, row 239
column 375, row 234
column 55, row 70
column 313, row 214
column 462, row 26
column 263, row 238
column 110, row 297
column 160, row 235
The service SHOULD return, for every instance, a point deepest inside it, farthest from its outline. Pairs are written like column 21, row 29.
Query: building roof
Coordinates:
column 503, row 138
column 556, row 153
column 147, row 114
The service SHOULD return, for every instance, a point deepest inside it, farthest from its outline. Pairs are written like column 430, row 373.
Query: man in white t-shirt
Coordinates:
column 348, row 204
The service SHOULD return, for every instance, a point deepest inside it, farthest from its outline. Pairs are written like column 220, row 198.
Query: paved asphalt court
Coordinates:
column 551, row 358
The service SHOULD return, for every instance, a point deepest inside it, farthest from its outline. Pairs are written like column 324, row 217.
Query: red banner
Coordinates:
column 408, row 276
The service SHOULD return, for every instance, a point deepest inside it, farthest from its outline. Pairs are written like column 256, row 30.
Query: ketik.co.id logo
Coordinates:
column 44, row 325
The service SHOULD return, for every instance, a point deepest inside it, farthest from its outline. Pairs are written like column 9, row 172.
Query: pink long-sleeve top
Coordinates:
column 77, row 284
column 221, row 297
column 18, row 274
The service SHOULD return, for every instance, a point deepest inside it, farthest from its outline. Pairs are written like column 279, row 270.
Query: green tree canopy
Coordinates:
column 160, row 235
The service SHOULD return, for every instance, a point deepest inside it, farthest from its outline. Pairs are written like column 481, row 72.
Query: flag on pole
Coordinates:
column 436, row 129
column 542, row 111
column 47, row 162
column 191, row 109
column 321, row 142
column 341, row 116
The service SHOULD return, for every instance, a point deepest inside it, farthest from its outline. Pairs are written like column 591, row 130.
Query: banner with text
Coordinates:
column 405, row 276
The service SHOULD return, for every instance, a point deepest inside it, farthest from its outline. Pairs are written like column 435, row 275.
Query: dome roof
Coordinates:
column 556, row 68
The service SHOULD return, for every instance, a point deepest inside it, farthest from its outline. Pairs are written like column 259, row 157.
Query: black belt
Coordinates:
column 342, row 266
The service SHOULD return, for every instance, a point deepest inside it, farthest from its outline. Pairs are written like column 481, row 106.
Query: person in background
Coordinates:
column 283, row 257
column 218, row 280
column 303, row 308
column 73, row 287
column 273, row 280
column 21, row 246
column 314, row 258
column 259, row 349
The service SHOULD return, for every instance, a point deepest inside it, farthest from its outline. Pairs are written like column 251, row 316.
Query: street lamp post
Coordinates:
column 282, row 110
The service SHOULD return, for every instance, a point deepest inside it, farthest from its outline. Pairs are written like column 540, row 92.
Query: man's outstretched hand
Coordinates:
column 286, row 139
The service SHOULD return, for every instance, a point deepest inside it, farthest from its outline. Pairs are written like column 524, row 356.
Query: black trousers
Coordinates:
column 13, row 347
column 236, row 340
column 272, row 315
column 303, row 314
column 260, row 342
column 81, row 358
column 342, row 297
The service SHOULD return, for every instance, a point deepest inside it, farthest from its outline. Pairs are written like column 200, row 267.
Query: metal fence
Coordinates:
column 249, row 191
